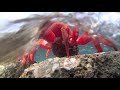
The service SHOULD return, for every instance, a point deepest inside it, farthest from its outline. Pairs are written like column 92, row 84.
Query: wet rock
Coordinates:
column 98, row 65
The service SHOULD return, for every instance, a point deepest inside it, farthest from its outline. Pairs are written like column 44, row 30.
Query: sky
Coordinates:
column 16, row 15
column 9, row 16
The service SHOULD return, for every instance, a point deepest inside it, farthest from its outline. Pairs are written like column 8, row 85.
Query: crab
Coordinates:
column 60, row 39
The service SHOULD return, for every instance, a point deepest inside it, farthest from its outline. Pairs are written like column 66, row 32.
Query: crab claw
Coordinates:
column 31, row 55
column 28, row 56
column 44, row 44
column 24, row 58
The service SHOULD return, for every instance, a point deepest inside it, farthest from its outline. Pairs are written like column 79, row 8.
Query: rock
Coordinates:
column 12, row 70
column 38, row 72
column 55, row 67
column 2, row 68
column 98, row 65
column 73, row 60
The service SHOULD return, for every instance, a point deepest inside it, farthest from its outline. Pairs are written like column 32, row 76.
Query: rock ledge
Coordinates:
column 98, row 65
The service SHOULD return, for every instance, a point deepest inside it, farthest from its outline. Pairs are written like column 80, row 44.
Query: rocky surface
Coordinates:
column 12, row 70
column 98, row 65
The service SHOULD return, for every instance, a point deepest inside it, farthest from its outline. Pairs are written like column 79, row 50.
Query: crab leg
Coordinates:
column 48, row 53
column 44, row 44
column 97, row 44
column 30, row 57
column 76, row 33
column 24, row 58
column 86, row 38
column 107, row 42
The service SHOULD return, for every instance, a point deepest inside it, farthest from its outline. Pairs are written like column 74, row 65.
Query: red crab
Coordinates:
column 60, row 39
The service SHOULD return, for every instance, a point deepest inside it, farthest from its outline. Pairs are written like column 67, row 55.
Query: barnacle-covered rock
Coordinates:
column 98, row 65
